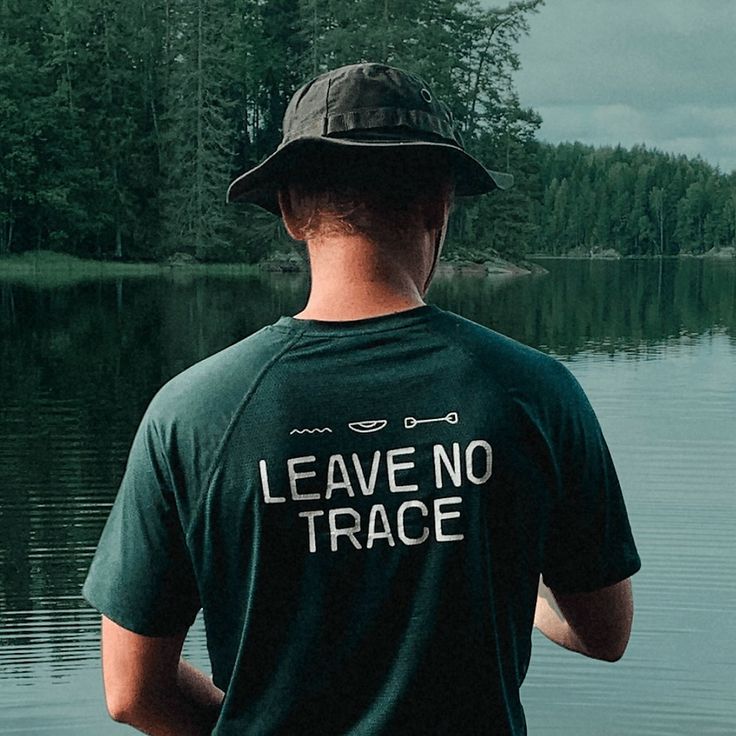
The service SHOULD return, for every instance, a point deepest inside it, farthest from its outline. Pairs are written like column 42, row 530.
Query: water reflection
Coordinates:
column 79, row 363
column 599, row 305
column 671, row 423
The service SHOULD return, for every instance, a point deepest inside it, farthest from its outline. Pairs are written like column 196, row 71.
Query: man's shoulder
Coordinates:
column 541, row 385
column 211, row 389
column 511, row 362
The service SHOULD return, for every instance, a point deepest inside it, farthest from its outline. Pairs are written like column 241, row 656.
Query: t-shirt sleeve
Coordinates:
column 590, row 544
column 141, row 576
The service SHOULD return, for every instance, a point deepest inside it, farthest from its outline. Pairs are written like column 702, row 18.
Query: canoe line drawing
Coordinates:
column 411, row 422
column 372, row 425
column 310, row 431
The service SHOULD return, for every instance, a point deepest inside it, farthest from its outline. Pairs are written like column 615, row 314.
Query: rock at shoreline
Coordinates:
column 605, row 253
column 491, row 266
column 180, row 259
column 494, row 266
column 577, row 253
column 726, row 251
column 283, row 264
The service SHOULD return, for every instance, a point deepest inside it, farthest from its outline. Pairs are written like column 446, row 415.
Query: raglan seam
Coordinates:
column 514, row 399
column 510, row 395
column 239, row 409
column 460, row 344
column 514, row 395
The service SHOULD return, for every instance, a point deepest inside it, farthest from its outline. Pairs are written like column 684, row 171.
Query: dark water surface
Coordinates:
column 654, row 347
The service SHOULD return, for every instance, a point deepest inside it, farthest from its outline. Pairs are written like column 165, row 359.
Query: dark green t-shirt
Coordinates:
column 362, row 510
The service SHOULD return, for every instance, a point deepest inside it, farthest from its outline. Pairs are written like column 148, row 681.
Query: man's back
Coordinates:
column 363, row 509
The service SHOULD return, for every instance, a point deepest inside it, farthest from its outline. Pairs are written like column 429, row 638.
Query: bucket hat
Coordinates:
column 369, row 106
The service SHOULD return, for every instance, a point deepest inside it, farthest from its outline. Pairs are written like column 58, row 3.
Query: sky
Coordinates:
column 658, row 72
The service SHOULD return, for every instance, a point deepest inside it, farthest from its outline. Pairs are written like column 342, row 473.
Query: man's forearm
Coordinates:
column 596, row 623
column 549, row 620
column 187, row 707
column 199, row 690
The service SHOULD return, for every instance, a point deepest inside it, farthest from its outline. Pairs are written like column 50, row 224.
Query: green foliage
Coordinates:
column 638, row 202
column 122, row 123
column 18, row 160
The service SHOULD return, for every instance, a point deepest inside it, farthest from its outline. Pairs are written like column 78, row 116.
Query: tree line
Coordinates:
column 636, row 202
column 121, row 124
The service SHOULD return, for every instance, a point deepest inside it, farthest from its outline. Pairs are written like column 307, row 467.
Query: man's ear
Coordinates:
column 437, row 209
column 287, row 213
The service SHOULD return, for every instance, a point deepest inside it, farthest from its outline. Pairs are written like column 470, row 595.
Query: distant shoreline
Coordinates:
column 725, row 253
column 52, row 268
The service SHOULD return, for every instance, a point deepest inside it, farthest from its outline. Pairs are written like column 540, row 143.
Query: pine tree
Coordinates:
column 197, row 130
column 657, row 205
column 19, row 163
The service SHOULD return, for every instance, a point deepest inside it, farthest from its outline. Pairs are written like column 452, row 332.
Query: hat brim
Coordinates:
column 260, row 184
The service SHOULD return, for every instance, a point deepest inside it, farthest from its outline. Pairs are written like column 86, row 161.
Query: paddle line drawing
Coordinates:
column 411, row 422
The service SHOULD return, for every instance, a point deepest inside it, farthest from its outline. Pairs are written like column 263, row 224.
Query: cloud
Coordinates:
column 709, row 131
column 654, row 71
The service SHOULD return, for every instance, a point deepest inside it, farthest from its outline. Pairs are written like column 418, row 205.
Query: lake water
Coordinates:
column 653, row 345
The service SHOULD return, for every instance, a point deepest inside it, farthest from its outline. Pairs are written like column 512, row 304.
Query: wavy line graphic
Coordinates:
column 310, row 431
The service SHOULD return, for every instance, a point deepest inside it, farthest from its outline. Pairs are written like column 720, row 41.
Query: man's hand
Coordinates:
column 149, row 686
column 596, row 624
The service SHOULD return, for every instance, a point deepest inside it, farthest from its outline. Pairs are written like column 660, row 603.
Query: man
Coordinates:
column 362, row 497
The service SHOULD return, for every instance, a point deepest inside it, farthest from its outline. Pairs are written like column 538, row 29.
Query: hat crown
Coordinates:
column 364, row 106
column 362, row 97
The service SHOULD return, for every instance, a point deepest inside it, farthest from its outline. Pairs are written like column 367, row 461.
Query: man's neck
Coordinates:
column 354, row 306
column 355, row 279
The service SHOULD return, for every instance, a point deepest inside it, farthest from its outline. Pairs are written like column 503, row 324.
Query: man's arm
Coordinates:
column 596, row 624
column 149, row 686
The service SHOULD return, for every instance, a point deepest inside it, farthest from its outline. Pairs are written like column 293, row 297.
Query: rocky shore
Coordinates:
column 723, row 253
column 491, row 266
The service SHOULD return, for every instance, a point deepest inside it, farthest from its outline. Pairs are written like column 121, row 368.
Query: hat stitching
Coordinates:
column 327, row 107
column 366, row 118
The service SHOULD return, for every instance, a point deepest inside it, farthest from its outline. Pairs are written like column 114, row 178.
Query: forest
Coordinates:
column 122, row 123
